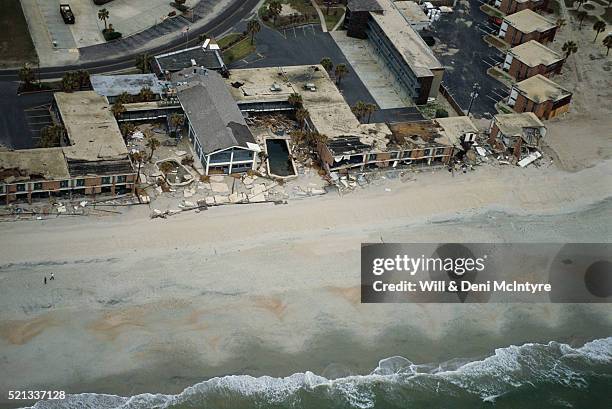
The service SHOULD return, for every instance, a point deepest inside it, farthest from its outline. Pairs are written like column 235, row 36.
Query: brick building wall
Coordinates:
column 515, row 37
column 521, row 71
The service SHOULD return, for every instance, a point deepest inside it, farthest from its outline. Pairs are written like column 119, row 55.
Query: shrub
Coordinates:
column 441, row 113
column 111, row 35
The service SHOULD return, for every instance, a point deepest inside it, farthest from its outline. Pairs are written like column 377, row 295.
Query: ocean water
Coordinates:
column 552, row 375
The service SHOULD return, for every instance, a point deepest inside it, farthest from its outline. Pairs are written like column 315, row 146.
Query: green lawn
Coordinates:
column 335, row 14
column 16, row 46
column 238, row 51
column 228, row 39
column 302, row 7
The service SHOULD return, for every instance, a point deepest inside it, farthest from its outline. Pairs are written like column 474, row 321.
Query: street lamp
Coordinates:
column 473, row 96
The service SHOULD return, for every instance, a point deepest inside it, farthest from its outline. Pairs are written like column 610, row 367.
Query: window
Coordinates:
column 21, row 187
column 80, row 182
column 106, row 180
column 120, row 179
column 63, row 184
column 1, row 188
column 38, row 186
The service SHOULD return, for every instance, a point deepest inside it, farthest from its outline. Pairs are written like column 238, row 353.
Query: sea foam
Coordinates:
column 509, row 368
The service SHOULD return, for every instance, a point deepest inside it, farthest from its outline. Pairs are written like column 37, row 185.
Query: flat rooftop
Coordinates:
column 406, row 40
column 412, row 11
column 33, row 164
column 329, row 112
column 513, row 124
column 181, row 59
column 91, row 127
column 452, row 128
column 540, row 89
column 114, row 85
column 528, row 21
column 441, row 132
column 533, row 53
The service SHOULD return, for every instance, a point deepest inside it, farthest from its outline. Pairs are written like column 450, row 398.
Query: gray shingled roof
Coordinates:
column 212, row 112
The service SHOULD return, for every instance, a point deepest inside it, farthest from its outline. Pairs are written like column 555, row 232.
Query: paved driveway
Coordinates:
column 59, row 32
column 462, row 50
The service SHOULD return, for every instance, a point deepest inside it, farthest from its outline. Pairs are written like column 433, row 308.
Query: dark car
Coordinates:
column 67, row 13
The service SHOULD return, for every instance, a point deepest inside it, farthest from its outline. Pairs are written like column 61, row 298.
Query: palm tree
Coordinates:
column 137, row 157
column 142, row 63
column 301, row 114
column 295, row 99
column 152, row 143
column 146, row 94
column 607, row 42
column 26, row 75
column 176, row 120
column 599, row 26
column 165, row 168
column 359, row 109
column 569, row 47
column 51, row 136
column 117, row 109
column 327, row 63
column 103, row 15
column 124, row 98
column 253, row 27
column 370, row 109
column 581, row 15
column 274, row 9
column 70, row 81
column 340, row 72
column 560, row 23
column 127, row 129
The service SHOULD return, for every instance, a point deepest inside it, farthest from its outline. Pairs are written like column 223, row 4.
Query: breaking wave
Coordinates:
column 515, row 372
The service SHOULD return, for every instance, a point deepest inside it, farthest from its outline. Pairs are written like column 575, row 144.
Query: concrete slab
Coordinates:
column 132, row 16
column 372, row 71
column 87, row 28
column 59, row 32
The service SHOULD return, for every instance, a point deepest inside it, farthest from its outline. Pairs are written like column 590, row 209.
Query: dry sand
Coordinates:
column 157, row 305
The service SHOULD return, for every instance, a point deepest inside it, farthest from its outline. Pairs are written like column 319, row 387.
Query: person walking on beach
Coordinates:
column 52, row 277
column 45, row 280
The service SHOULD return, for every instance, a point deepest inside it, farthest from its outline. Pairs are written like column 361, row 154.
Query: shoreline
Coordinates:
column 159, row 305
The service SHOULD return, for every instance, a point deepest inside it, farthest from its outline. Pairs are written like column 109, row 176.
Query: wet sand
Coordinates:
column 143, row 305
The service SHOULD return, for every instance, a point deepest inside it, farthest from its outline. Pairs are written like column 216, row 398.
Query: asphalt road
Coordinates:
column 99, row 55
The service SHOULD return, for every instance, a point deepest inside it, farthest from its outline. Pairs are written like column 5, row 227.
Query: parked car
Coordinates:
column 67, row 13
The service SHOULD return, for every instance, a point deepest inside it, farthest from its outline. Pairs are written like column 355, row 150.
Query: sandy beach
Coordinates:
column 141, row 305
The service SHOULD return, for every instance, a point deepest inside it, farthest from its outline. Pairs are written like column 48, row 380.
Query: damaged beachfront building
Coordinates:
column 92, row 158
column 519, row 134
column 218, row 132
column 207, row 55
column 348, row 144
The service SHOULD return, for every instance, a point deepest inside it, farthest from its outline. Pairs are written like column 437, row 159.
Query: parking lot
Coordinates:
column 460, row 47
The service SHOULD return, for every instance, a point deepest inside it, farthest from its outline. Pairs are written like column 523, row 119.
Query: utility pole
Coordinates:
column 473, row 96
column 186, row 31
